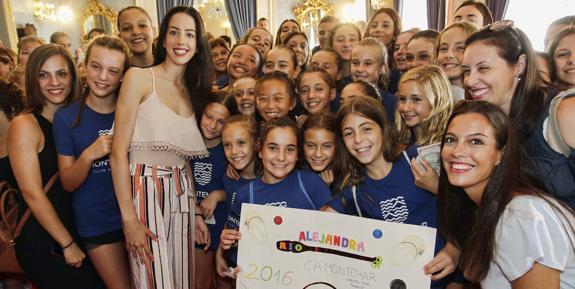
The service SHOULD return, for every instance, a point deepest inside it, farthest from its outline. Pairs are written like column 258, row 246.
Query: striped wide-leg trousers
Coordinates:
column 163, row 200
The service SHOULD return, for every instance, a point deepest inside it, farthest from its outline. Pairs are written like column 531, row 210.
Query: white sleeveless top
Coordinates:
column 163, row 137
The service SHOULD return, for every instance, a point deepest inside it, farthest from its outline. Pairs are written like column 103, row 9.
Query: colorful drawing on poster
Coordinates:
column 299, row 247
column 286, row 248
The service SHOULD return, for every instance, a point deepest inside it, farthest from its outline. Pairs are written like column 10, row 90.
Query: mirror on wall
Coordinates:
column 97, row 15
column 309, row 13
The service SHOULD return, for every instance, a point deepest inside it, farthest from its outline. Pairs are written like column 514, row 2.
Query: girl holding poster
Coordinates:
column 281, row 184
column 378, row 184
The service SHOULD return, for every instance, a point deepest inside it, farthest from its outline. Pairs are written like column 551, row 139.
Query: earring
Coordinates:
column 497, row 163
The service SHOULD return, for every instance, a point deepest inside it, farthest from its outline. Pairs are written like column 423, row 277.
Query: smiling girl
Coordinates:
column 243, row 91
column 320, row 146
column 244, row 60
column 376, row 183
column 342, row 39
column 284, row 59
column 275, row 96
column 208, row 173
column 260, row 38
column 316, row 90
column 135, row 28
column 239, row 138
column 424, row 106
column 83, row 138
column 220, row 54
column 369, row 63
column 280, row 185
column 449, row 54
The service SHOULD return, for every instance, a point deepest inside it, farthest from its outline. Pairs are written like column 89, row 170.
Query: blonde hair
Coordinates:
column 434, row 85
column 382, row 57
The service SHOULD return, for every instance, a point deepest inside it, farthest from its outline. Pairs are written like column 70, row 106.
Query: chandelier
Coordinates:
column 376, row 4
column 212, row 8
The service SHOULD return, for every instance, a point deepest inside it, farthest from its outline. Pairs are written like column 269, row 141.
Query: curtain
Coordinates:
column 436, row 14
column 498, row 8
column 165, row 5
column 242, row 15
column 398, row 6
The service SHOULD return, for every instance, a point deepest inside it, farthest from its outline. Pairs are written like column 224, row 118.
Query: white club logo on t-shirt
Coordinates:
column 394, row 210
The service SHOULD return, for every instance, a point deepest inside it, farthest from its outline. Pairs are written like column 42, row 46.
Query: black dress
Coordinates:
column 36, row 251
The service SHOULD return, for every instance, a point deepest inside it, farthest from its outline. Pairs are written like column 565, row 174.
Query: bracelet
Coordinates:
column 198, row 214
column 67, row 246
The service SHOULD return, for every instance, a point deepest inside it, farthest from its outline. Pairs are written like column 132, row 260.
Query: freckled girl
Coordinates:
column 284, row 59
column 239, row 138
column 424, row 106
column 320, row 146
column 208, row 173
column 275, row 96
column 281, row 184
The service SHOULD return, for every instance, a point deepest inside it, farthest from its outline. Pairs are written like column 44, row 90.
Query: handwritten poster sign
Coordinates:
column 292, row 248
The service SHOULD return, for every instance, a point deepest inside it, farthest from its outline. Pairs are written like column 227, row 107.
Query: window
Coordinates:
column 533, row 17
column 414, row 14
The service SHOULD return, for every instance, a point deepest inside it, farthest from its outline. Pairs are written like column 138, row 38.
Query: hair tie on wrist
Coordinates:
column 67, row 246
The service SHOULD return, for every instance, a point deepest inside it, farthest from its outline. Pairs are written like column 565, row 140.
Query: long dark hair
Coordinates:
column 323, row 120
column 528, row 98
column 197, row 75
column 469, row 226
column 370, row 108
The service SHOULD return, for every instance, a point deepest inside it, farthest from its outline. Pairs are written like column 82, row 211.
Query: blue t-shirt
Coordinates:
column 287, row 193
column 208, row 173
column 95, row 204
column 389, row 102
column 395, row 198
column 231, row 187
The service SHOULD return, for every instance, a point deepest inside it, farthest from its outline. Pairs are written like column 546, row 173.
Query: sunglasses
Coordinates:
column 501, row 25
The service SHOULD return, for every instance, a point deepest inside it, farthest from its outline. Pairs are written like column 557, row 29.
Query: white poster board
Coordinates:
column 293, row 248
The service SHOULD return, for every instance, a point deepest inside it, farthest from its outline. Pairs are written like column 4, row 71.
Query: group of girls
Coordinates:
column 337, row 130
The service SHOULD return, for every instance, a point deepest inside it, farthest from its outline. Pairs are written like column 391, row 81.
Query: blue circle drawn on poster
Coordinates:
column 377, row 233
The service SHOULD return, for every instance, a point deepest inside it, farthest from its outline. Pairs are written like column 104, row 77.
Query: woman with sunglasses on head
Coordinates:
column 499, row 67
column 511, row 233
